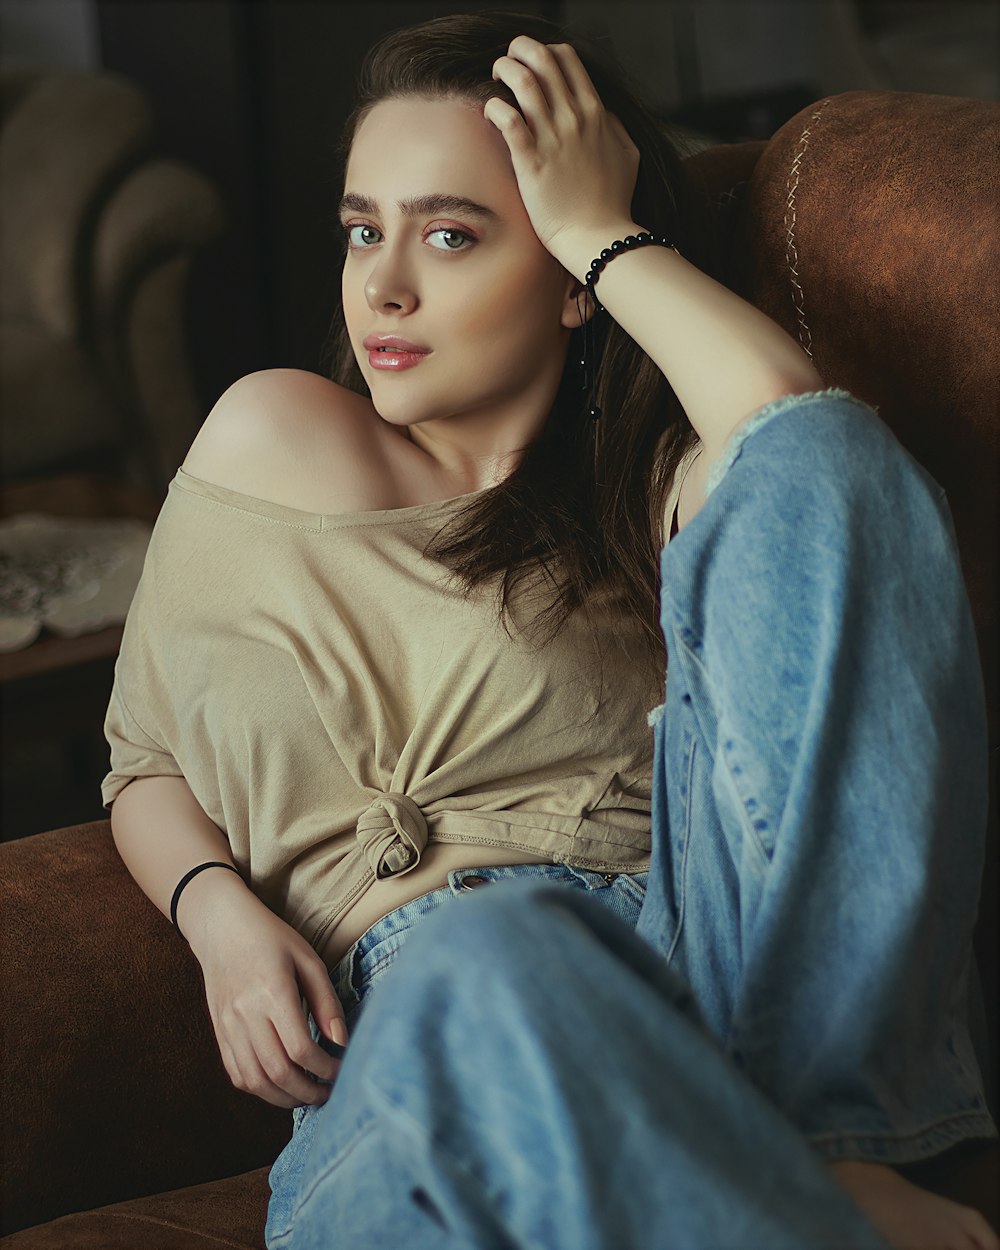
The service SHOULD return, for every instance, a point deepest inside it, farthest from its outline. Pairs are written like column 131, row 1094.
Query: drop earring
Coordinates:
column 588, row 363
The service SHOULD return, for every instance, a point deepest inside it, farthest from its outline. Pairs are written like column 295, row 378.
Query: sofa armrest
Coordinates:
column 148, row 235
column 113, row 1087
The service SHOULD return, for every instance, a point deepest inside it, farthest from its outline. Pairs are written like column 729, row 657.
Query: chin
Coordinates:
column 401, row 415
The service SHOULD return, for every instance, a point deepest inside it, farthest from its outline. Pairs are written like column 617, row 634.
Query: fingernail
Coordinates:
column 338, row 1031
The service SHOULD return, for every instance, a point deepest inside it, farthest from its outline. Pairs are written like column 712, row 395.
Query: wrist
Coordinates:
column 576, row 246
column 205, row 898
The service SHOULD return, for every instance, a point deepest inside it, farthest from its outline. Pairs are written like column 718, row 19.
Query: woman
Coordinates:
column 472, row 210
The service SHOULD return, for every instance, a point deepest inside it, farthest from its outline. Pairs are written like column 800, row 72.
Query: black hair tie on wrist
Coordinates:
column 212, row 863
column 631, row 241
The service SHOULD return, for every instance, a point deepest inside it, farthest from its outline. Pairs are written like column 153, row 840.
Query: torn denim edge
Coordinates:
column 760, row 418
column 654, row 717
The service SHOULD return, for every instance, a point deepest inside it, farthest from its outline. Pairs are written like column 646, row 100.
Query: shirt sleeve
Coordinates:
column 134, row 752
column 140, row 703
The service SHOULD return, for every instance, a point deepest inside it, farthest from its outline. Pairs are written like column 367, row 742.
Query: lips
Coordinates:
column 391, row 343
column 391, row 354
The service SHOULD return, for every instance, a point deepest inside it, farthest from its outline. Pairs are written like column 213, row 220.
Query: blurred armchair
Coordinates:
column 97, row 243
column 863, row 226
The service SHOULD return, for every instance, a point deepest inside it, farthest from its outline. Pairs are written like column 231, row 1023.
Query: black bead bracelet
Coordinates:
column 630, row 242
column 597, row 265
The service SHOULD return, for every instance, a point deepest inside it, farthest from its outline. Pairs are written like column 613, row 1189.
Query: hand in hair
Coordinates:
column 575, row 164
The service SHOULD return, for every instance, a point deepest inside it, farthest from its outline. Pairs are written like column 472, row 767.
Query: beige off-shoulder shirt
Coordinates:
column 335, row 702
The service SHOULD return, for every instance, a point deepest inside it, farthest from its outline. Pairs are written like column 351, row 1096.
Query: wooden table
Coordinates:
column 72, row 495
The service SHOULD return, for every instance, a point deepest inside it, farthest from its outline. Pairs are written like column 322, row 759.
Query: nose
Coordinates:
column 389, row 287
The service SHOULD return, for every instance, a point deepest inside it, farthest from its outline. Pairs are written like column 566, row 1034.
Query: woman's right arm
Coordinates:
column 256, row 967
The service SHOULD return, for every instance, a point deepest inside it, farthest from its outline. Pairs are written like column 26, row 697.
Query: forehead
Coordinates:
column 412, row 145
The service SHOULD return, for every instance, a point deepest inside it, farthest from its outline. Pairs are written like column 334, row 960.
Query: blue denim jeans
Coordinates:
column 372, row 955
column 534, row 1073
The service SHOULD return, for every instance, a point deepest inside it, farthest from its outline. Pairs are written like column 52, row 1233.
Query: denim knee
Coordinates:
column 814, row 509
column 828, row 441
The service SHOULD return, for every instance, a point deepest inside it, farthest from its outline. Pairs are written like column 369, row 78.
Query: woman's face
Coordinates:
column 471, row 287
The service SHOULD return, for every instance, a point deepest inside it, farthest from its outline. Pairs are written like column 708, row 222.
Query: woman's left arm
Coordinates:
column 576, row 169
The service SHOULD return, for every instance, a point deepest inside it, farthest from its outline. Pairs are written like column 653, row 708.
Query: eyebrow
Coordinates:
column 421, row 206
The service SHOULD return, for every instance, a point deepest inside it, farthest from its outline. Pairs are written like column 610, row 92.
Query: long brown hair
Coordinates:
column 584, row 507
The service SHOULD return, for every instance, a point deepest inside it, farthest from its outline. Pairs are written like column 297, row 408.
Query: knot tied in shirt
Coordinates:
column 392, row 833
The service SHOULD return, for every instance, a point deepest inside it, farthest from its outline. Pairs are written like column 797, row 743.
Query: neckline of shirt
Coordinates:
column 304, row 518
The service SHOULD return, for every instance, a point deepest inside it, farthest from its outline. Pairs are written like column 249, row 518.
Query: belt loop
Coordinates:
column 344, row 977
column 352, row 972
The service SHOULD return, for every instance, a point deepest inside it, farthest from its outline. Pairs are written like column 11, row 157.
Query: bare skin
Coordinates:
column 909, row 1217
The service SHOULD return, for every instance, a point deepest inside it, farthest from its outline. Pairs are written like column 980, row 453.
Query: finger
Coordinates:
column 261, row 1086
column 578, row 81
column 230, row 1064
column 296, row 1043
column 249, row 1076
column 510, row 123
column 280, row 1068
column 545, row 66
column 321, row 999
column 621, row 134
column 527, row 91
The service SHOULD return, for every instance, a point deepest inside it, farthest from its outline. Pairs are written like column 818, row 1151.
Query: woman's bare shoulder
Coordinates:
column 294, row 438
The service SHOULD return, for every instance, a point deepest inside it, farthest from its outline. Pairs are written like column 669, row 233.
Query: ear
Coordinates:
column 577, row 301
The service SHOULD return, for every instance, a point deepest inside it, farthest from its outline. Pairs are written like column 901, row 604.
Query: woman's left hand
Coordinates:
column 575, row 164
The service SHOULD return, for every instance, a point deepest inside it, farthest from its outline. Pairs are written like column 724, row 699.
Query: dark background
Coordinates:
column 254, row 94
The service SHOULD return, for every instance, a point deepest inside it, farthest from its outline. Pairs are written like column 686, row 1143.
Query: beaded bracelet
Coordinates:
column 631, row 241
column 642, row 239
column 213, row 863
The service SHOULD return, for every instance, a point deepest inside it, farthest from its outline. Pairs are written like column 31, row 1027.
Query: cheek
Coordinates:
column 519, row 305
column 352, row 298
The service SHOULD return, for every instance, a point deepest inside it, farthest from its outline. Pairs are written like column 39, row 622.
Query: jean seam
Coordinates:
column 371, row 972
column 746, row 820
column 581, row 877
column 330, row 1167
column 684, row 857
column 931, row 1138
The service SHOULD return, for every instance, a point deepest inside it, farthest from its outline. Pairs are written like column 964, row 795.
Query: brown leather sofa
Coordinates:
column 866, row 226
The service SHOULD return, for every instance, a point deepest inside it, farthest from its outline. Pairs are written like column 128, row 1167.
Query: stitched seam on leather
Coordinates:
column 181, row 1228
column 791, row 219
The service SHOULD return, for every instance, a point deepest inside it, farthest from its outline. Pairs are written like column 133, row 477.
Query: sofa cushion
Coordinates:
column 113, row 1085
column 229, row 1212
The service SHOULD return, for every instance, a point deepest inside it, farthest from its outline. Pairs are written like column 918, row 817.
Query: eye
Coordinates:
column 451, row 240
column 444, row 239
column 361, row 236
